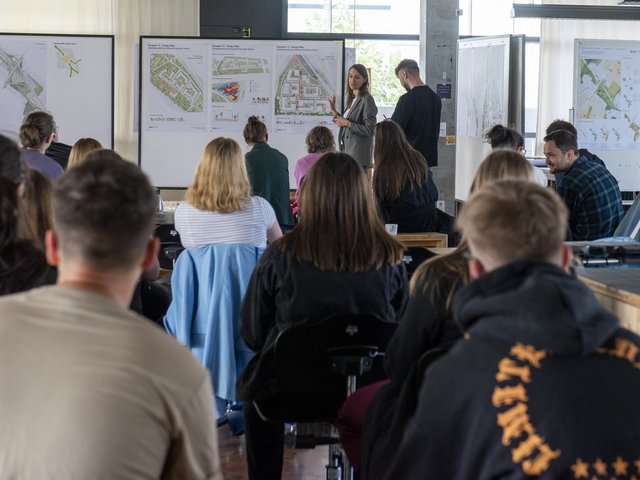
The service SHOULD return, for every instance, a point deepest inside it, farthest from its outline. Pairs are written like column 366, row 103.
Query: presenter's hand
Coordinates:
column 343, row 122
column 332, row 105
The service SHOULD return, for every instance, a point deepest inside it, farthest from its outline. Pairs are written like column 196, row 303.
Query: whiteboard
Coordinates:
column 489, row 90
column 69, row 76
column 606, row 100
column 193, row 90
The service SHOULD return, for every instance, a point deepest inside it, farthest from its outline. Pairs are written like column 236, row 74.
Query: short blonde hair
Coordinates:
column 221, row 183
column 513, row 219
column 81, row 149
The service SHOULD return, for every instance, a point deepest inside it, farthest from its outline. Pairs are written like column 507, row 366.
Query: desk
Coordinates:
column 618, row 290
column 424, row 239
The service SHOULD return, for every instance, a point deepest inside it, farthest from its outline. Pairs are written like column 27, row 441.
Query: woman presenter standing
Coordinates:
column 359, row 119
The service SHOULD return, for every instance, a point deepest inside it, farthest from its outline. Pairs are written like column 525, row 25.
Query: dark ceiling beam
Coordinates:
column 581, row 12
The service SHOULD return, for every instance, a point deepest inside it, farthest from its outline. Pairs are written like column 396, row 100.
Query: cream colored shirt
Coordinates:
column 89, row 390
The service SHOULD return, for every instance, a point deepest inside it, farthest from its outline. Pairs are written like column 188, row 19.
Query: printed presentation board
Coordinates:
column 490, row 90
column 69, row 76
column 607, row 105
column 193, row 90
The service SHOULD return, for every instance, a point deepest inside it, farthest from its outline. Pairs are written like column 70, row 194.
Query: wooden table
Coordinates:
column 424, row 239
column 618, row 290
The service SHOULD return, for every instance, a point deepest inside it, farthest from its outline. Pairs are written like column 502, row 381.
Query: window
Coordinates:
column 381, row 32
column 386, row 17
column 382, row 57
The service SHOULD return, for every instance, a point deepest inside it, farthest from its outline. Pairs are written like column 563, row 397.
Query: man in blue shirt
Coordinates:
column 588, row 189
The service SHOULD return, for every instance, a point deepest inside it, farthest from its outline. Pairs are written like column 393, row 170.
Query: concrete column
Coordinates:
column 438, row 46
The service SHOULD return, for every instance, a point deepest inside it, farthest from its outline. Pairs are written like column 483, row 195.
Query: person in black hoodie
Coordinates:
column 545, row 383
column 425, row 331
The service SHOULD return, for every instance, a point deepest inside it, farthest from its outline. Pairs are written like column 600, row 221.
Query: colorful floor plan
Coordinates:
column 226, row 92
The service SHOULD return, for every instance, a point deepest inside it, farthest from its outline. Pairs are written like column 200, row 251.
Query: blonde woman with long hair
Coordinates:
column 219, row 207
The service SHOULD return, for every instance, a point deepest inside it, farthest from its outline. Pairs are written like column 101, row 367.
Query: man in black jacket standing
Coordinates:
column 545, row 383
column 418, row 111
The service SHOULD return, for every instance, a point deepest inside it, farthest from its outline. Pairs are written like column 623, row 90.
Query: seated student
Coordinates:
column 268, row 171
column 426, row 325
column 93, row 390
column 338, row 259
column 588, row 189
column 36, row 134
column 219, row 207
column 37, row 200
column 319, row 141
column 58, row 151
column 403, row 185
column 583, row 152
column 150, row 299
column 81, row 149
column 545, row 384
column 22, row 263
column 500, row 136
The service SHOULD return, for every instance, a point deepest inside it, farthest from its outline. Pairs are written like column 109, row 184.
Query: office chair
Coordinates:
column 414, row 256
column 317, row 366
column 170, row 245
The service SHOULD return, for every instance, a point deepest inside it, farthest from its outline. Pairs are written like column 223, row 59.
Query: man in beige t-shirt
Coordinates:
column 89, row 390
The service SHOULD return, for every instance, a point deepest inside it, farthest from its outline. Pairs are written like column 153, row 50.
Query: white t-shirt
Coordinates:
column 249, row 225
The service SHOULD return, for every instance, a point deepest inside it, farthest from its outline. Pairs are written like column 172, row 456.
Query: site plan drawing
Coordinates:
column 607, row 96
column 170, row 75
column 68, row 60
column 176, row 77
column 305, row 82
column 69, row 76
column 193, row 90
column 22, row 81
column 482, row 90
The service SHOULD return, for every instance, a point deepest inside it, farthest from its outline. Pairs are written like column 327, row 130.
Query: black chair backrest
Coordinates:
column 302, row 361
column 170, row 246
column 414, row 257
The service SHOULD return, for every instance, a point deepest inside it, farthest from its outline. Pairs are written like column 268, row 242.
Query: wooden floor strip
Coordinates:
column 298, row 464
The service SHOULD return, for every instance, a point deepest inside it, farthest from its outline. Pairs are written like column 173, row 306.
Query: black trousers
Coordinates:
column 265, row 445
